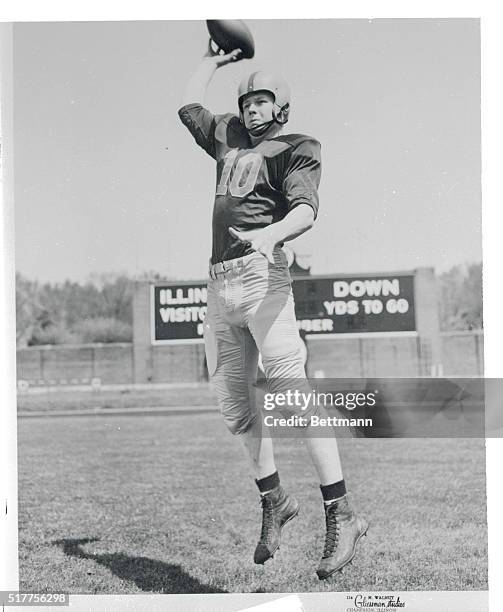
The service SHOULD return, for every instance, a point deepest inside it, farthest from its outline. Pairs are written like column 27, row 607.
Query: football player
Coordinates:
column 266, row 193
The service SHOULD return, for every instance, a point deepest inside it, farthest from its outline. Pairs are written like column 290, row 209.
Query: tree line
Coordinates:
column 101, row 309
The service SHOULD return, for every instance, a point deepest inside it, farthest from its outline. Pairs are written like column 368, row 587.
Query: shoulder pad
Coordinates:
column 296, row 139
column 230, row 130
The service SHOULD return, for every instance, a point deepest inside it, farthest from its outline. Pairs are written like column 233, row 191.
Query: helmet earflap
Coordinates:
column 281, row 115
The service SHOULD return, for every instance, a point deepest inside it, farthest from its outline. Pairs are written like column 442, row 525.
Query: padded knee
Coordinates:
column 238, row 421
column 237, row 401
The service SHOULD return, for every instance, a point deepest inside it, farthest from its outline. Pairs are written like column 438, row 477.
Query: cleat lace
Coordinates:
column 333, row 530
column 267, row 518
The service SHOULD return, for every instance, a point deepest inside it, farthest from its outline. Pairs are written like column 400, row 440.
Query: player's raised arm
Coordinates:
column 200, row 121
column 197, row 84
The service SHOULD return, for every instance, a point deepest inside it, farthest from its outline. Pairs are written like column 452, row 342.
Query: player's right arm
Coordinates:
column 200, row 121
column 197, row 84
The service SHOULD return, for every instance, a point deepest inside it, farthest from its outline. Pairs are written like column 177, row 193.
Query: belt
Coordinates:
column 224, row 266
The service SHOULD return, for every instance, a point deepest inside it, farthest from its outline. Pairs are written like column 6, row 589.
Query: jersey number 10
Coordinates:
column 244, row 176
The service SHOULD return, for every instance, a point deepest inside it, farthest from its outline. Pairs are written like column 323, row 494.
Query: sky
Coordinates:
column 107, row 179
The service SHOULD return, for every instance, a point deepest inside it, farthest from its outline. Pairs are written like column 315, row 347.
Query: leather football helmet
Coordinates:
column 272, row 83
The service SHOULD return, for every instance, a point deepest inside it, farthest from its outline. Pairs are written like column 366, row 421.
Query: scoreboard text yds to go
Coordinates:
column 324, row 306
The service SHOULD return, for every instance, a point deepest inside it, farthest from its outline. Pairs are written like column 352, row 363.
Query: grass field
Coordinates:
column 59, row 398
column 165, row 504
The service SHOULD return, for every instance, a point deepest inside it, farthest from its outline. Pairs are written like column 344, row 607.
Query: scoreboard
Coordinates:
column 324, row 305
column 356, row 304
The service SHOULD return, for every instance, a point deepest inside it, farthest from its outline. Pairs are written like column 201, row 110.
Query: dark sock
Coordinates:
column 268, row 483
column 333, row 491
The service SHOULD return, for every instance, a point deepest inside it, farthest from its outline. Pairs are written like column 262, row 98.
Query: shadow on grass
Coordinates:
column 148, row 574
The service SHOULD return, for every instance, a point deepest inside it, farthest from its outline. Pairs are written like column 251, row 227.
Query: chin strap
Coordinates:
column 261, row 129
column 280, row 117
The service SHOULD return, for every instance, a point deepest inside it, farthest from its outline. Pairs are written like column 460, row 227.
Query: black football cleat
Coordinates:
column 277, row 509
column 344, row 530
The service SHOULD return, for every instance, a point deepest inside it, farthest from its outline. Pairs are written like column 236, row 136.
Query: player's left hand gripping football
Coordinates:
column 261, row 240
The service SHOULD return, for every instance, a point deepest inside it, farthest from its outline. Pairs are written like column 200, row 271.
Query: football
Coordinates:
column 230, row 34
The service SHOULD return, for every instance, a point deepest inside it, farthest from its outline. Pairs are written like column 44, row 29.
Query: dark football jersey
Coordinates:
column 256, row 185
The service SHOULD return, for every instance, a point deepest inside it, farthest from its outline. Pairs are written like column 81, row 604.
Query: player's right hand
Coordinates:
column 261, row 240
column 222, row 60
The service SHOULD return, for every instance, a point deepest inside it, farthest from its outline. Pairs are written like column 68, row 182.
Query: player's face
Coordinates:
column 258, row 109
